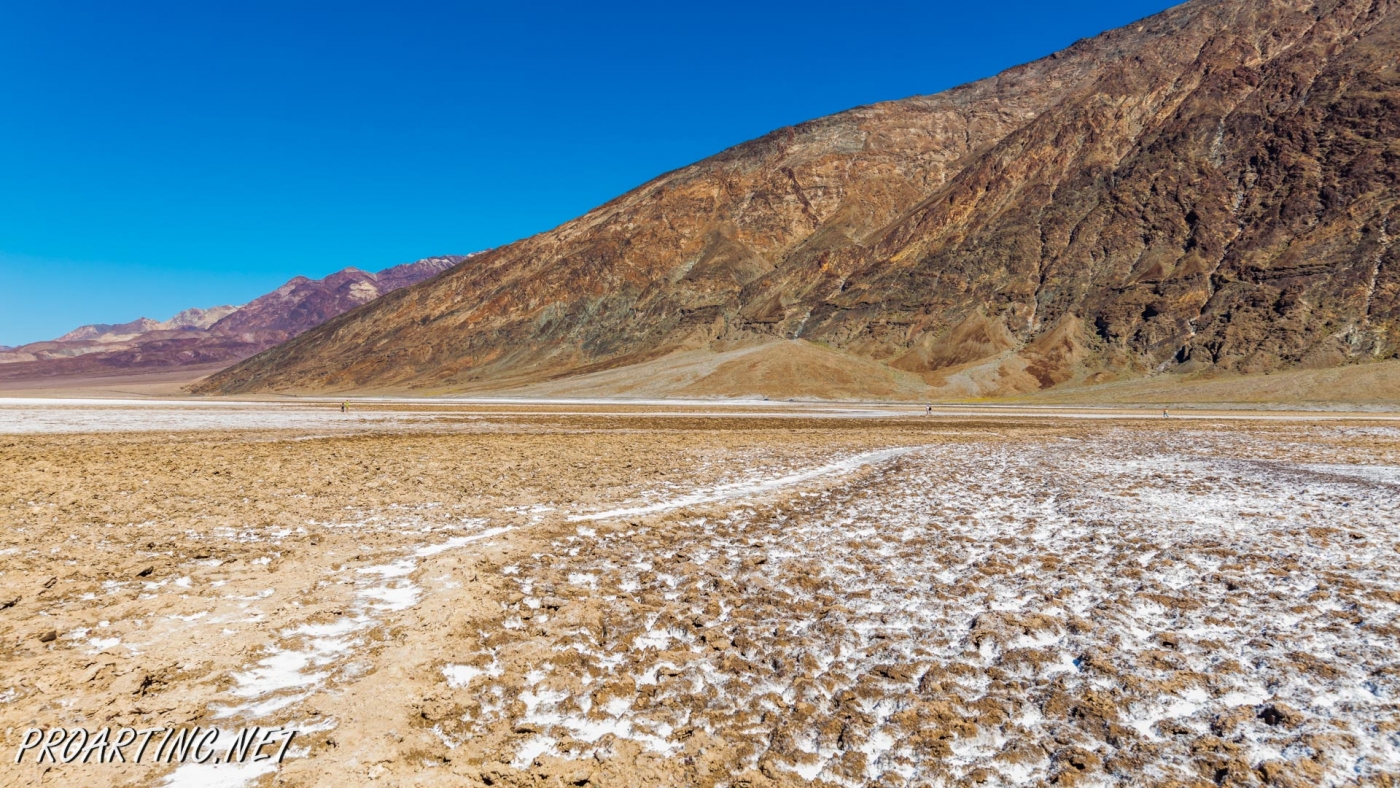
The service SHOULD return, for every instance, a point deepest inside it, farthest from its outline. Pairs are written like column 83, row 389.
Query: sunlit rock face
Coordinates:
column 1210, row 188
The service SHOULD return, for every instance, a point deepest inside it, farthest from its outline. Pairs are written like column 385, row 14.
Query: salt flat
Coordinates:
column 27, row 415
column 658, row 594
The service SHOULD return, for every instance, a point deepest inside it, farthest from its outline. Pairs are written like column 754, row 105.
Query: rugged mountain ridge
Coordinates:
column 117, row 332
column 209, row 336
column 1208, row 189
column 303, row 303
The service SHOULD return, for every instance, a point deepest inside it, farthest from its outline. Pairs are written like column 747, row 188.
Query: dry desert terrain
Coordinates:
column 515, row 593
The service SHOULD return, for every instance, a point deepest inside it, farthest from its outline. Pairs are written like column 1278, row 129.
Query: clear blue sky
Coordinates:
column 155, row 156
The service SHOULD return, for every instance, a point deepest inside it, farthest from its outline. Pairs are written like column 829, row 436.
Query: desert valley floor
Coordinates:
column 761, row 594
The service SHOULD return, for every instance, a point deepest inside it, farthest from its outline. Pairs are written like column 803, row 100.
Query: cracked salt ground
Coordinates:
column 318, row 655
column 746, row 488
column 318, row 652
column 739, row 472
column 237, row 775
column 1126, row 611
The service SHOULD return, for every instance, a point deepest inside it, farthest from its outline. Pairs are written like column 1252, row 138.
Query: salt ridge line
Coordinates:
column 743, row 489
column 264, row 686
column 324, row 646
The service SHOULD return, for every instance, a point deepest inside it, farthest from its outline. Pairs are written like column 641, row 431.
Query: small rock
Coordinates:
column 49, row 637
column 133, row 683
column 5, row 604
column 146, row 572
column 552, row 603
column 1281, row 714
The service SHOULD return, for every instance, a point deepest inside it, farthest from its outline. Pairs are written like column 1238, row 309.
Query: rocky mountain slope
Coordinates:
column 223, row 334
column 1211, row 189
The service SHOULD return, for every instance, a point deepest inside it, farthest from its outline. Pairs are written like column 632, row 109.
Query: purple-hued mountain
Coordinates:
column 222, row 334
column 302, row 304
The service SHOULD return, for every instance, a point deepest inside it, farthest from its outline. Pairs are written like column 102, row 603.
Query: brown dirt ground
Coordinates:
column 202, row 553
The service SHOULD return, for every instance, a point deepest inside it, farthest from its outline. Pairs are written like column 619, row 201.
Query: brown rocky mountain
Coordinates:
column 1211, row 189
column 222, row 334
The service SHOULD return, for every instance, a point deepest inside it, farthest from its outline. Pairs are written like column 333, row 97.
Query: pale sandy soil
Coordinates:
column 681, row 594
column 804, row 371
column 1375, row 385
column 163, row 383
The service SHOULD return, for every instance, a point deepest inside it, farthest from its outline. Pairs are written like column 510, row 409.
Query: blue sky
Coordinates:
column 161, row 155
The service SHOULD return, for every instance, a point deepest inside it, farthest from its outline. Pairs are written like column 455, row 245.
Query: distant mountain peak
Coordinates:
column 117, row 332
column 200, row 318
column 221, row 333
column 302, row 303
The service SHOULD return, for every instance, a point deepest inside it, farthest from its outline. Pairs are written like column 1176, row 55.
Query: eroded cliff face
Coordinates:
column 1209, row 188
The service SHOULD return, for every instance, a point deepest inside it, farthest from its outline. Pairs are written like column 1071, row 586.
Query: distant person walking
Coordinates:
column 345, row 406
column 1164, row 413
column 928, row 411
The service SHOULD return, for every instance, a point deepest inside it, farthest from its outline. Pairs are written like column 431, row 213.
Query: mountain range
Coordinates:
column 1210, row 190
column 220, row 335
